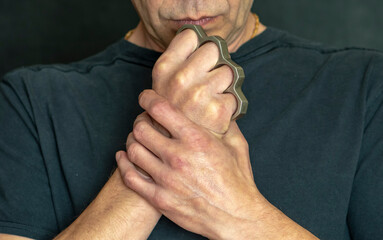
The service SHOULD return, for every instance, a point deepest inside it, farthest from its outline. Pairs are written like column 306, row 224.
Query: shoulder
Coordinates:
column 45, row 82
column 356, row 56
column 346, row 62
column 119, row 62
column 281, row 47
column 358, row 67
column 352, row 71
column 54, row 71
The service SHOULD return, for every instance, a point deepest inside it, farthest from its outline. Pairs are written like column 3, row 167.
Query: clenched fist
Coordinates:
column 186, row 77
column 201, row 181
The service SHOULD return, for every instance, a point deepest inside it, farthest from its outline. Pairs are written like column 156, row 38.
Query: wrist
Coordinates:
column 127, row 202
column 262, row 220
column 116, row 213
column 240, row 222
column 245, row 223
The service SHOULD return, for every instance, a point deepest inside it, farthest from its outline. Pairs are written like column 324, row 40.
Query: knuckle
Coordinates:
column 144, row 94
column 161, row 67
column 199, row 203
column 181, row 78
column 161, row 202
column 130, row 137
column 159, row 107
column 169, row 181
column 139, row 129
column 132, row 151
column 195, row 101
column 199, row 92
column 218, row 115
column 178, row 163
column 214, row 110
column 239, row 142
column 129, row 178
column 129, row 140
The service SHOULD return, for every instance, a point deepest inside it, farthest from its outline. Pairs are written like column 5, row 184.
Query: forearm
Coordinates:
column 116, row 213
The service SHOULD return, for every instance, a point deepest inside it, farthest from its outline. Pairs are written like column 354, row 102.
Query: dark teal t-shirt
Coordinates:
column 314, row 127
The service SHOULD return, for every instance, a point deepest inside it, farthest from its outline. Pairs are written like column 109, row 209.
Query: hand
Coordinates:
column 201, row 182
column 185, row 76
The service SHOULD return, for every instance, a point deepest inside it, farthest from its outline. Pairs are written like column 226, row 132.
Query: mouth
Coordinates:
column 203, row 21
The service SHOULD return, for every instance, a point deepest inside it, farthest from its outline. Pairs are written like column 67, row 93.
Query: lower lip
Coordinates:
column 201, row 22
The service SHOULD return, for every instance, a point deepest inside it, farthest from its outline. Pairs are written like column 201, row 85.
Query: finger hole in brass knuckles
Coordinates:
column 224, row 59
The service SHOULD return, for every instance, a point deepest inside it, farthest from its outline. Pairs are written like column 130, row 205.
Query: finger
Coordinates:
column 230, row 103
column 164, row 113
column 145, row 133
column 143, row 186
column 195, row 69
column 220, row 79
column 204, row 59
column 180, row 48
column 124, row 165
column 130, row 140
column 161, row 129
column 218, row 112
column 146, row 160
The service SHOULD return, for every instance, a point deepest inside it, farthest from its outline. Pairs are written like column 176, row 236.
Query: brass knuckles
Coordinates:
column 224, row 59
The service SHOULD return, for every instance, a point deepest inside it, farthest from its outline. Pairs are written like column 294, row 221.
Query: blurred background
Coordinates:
column 43, row 31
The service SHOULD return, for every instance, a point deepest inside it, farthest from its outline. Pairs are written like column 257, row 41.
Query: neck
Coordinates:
column 243, row 34
column 142, row 38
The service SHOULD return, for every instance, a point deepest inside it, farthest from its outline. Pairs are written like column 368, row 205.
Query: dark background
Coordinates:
column 46, row 31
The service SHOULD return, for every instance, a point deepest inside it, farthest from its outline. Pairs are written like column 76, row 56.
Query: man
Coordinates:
column 313, row 129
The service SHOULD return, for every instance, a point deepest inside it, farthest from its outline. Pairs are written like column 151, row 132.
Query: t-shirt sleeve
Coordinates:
column 26, row 207
column 365, row 216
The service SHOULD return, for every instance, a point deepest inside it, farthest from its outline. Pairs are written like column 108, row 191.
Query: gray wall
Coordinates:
column 334, row 22
column 41, row 31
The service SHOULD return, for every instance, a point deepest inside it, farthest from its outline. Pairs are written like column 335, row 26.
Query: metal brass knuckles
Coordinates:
column 224, row 59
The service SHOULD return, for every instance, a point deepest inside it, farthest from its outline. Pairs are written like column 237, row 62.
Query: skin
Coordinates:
column 175, row 78
column 197, row 178
column 182, row 157
column 120, row 213
column 200, row 181
column 204, row 145
column 160, row 19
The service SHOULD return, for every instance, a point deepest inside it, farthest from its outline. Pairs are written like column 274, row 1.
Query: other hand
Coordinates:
column 202, row 182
